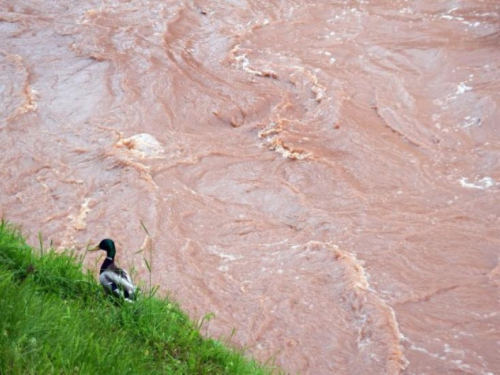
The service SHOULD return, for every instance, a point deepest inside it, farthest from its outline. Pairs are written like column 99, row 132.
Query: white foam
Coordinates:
column 481, row 184
column 214, row 250
column 462, row 87
column 470, row 121
column 143, row 145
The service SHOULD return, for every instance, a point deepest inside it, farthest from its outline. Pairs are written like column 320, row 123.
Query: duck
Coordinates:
column 115, row 280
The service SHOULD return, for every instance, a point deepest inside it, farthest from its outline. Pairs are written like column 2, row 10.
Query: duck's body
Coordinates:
column 114, row 280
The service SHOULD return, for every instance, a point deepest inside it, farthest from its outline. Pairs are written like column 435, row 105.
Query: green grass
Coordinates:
column 54, row 318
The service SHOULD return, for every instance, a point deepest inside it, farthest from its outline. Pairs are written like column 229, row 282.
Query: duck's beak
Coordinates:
column 95, row 248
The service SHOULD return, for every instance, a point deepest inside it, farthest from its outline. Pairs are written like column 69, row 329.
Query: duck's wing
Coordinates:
column 121, row 273
column 114, row 279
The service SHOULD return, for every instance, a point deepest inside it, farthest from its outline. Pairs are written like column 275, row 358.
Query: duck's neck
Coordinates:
column 107, row 262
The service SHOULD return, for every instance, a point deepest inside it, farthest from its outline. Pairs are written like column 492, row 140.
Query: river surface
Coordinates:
column 322, row 176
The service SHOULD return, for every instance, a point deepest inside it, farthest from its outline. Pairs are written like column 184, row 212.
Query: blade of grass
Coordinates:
column 145, row 229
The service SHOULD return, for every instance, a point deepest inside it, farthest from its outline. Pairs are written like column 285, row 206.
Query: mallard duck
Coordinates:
column 114, row 280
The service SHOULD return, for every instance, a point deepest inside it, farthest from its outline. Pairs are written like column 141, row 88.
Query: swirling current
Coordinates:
column 322, row 176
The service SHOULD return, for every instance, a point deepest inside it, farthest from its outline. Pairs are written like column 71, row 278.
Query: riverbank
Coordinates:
column 54, row 318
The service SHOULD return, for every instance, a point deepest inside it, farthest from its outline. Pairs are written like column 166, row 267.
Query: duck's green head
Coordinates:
column 108, row 246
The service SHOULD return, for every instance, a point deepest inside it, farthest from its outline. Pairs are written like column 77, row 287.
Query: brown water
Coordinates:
column 322, row 176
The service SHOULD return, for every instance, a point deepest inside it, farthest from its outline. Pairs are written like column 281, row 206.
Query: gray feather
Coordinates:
column 119, row 277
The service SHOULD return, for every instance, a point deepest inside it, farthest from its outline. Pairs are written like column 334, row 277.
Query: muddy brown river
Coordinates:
column 322, row 176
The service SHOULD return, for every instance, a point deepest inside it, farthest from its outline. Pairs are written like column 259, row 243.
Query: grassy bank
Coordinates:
column 54, row 318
